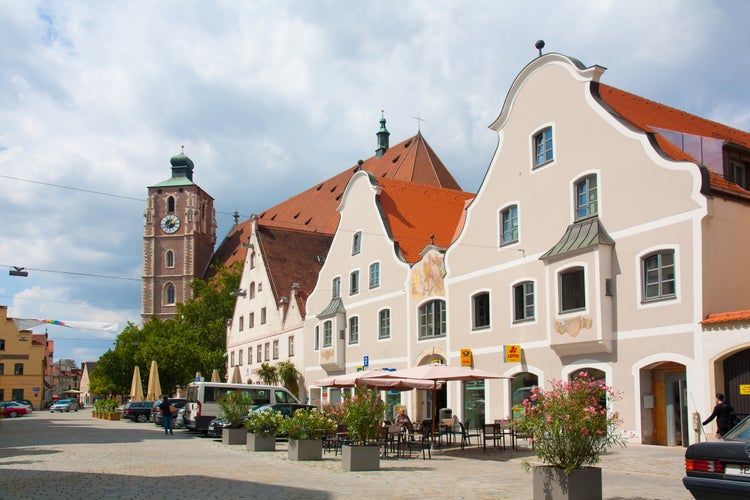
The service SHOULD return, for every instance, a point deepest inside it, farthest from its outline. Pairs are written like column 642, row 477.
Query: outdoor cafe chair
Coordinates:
column 505, row 428
column 467, row 433
column 490, row 432
column 418, row 441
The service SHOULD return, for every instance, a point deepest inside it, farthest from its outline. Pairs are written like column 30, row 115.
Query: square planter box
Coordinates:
column 234, row 436
column 355, row 458
column 260, row 443
column 582, row 484
column 305, row 449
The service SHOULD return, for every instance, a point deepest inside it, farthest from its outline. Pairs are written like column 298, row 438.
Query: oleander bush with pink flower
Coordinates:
column 572, row 423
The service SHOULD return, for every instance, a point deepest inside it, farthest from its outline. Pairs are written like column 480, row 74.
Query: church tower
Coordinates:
column 178, row 240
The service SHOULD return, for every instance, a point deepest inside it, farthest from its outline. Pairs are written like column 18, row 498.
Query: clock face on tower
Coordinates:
column 170, row 223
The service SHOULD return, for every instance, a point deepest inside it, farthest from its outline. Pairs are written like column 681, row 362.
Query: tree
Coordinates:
column 268, row 374
column 194, row 340
column 289, row 376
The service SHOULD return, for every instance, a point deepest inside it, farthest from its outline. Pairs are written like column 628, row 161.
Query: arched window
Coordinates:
column 481, row 310
column 169, row 294
column 252, row 290
column 170, row 204
column 521, row 386
column 658, row 275
column 587, row 197
column 170, row 258
column 432, row 319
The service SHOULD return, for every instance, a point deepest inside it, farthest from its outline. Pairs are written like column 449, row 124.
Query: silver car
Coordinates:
column 64, row 405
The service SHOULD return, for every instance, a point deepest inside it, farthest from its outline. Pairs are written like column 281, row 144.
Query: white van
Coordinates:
column 203, row 400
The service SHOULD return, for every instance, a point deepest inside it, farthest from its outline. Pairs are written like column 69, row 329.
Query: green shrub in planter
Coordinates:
column 264, row 423
column 308, row 424
column 234, row 407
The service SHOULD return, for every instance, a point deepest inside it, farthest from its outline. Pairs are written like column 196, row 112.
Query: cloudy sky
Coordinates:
column 269, row 97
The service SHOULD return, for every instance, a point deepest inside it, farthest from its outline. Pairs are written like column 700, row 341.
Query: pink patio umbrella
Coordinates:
column 368, row 378
column 436, row 373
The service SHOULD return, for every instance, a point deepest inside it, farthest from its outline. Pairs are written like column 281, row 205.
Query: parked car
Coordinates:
column 720, row 469
column 156, row 416
column 12, row 409
column 137, row 411
column 64, row 405
column 27, row 403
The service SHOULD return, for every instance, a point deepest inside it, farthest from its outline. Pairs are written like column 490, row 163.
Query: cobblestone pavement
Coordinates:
column 72, row 455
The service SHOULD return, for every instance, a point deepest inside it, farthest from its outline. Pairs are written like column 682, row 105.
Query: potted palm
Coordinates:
column 363, row 414
column 571, row 426
column 235, row 406
column 262, row 427
column 306, row 430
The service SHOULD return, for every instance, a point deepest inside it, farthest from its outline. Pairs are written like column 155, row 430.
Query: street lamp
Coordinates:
column 18, row 271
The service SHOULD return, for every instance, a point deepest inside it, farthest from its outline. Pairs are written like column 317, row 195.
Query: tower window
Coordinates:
column 169, row 294
column 170, row 258
column 170, row 204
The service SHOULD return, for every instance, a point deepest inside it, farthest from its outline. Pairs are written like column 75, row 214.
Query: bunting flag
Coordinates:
column 28, row 323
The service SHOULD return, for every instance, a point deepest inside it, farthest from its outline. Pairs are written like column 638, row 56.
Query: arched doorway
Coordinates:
column 737, row 381
column 424, row 398
column 664, row 412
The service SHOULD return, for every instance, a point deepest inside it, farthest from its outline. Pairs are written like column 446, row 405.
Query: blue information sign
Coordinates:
column 366, row 361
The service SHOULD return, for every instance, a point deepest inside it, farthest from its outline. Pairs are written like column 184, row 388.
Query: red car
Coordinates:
column 12, row 409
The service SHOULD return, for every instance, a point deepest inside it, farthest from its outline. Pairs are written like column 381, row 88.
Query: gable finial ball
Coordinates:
column 539, row 46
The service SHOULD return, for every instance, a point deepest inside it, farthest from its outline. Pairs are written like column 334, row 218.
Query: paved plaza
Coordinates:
column 72, row 455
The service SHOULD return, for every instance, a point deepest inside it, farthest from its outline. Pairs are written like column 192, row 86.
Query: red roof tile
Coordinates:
column 727, row 317
column 418, row 215
column 648, row 116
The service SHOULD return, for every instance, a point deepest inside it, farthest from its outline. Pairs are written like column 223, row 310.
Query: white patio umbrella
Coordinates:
column 436, row 373
column 136, row 387
column 154, row 386
column 236, row 376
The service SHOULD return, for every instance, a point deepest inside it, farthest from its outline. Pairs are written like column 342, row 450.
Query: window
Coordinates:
column 250, row 320
column 481, row 312
column 327, row 333
column 266, row 351
column 170, row 204
column 739, row 174
column 357, row 243
column 242, row 323
column 260, row 287
column 2, row 368
column 572, row 290
column 509, row 225
column 2, row 344
column 275, row 349
column 249, row 355
column 384, row 324
column 257, row 353
column 231, row 357
column 252, row 290
column 316, row 340
column 659, row 276
column 169, row 294
column 375, row 275
column 239, row 354
column 263, row 316
column 586, row 197
column 354, row 283
column 432, row 319
column 336, row 287
column 543, row 151
column 252, row 260
column 523, row 301
column 291, row 345
column 354, row 330
column 170, row 258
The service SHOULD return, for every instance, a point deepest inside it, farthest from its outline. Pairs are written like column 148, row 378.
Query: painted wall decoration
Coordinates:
column 427, row 276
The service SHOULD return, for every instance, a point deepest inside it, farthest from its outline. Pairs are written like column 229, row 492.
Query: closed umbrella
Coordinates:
column 215, row 376
column 236, row 376
column 154, row 386
column 436, row 372
column 136, row 387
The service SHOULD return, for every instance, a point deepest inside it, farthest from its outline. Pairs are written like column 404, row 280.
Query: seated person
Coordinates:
column 402, row 419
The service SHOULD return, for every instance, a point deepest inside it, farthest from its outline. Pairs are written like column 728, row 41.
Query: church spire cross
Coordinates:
column 419, row 119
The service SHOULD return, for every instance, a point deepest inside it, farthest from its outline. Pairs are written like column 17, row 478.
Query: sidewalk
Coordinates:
column 74, row 455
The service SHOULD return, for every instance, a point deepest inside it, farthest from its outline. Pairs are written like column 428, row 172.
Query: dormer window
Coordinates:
column 739, row 174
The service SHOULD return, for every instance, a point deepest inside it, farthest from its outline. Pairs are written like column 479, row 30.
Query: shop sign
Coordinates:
column 465, row 357
column 745, row 389
column 512, row 353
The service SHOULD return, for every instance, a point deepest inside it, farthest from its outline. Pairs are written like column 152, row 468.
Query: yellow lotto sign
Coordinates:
column 465, row 357
column 744, row 389
column 513, row 353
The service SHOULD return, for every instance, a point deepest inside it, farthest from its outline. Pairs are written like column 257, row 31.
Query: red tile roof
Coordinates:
column 727, row 317
column 314, row 210
column 418, row 215
column 648, row 116
column 291, row 256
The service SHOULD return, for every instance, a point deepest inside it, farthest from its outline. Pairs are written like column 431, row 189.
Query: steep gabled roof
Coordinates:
column 314, row 210
column 291, row 256
column 419, row 215
column 655, row 118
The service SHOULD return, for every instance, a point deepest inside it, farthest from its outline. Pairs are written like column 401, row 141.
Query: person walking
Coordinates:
column 165, row 407
column 723, row 414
